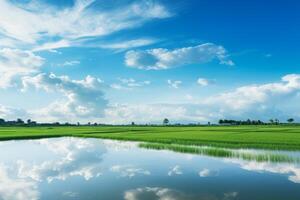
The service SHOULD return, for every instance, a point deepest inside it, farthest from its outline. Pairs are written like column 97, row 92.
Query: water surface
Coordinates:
column 89, row 169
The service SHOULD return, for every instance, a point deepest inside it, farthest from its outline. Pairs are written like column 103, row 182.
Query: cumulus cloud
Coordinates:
column 35, row 23
column 205, row 82
column 15, row 63
column 128, row 84
column 174, row 84
column 158, row 59
column 153, row 113
column 262, row 101
column 245, row 97
column 82, row 98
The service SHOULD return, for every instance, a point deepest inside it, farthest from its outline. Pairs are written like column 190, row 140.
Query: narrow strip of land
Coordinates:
column 285, row 137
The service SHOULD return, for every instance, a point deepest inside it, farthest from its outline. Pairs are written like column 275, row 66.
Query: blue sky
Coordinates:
column 142, row 61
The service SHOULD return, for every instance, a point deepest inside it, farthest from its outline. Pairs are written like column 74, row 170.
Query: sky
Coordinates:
column 124, row 61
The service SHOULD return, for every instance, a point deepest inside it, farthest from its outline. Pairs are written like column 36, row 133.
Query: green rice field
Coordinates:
column 283, row 137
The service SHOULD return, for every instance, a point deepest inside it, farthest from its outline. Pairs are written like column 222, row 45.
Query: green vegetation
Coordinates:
column 224, row 153
column 285, row 137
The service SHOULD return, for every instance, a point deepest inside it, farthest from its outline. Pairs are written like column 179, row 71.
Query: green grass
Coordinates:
column 224, row 153
column 282, row 137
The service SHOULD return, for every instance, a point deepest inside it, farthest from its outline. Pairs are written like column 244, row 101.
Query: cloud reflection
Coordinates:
column 161, row 193
column 292, row 170
column 16, row 188
column 129, row 170
column 78, row 157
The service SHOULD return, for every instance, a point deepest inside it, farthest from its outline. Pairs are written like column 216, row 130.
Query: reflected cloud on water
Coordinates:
column 129, row 170
column 39, row 165
column 291, row 170
column 159, row 193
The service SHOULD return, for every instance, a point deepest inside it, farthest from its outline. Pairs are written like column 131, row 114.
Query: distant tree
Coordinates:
column 208, row 123
column 271, row 121
column 248, row 121
column 290, row 120
column 78, row 123
column 20, row 121
column 166, row 121
column 221, row 121
column 132, row 123
column 89, row 123
column 2, row 121
column 28, row 121
column 276, row 121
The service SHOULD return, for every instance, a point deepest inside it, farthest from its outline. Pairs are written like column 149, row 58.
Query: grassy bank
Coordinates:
column 267, row 137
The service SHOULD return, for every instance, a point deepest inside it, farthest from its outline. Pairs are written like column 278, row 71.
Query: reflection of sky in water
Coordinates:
column 75, row 168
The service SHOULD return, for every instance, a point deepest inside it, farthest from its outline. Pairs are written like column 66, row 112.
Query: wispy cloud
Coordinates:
column 159, row 59
column 205, row 82
column 48, row 27
column 128, row 84
column 124, row 45
column 174, row 84
column 69, row 63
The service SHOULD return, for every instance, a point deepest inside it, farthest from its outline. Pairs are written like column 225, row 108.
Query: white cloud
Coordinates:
column 128, row 84
column 10, row 113
column 205, row 82
column 158, row 59
column 174, row 84
column 152, row 113
column 176, row 170
column 129, row 171
column 123, row 45
column 38, row 23
column 83, row 98
column 70, row 63
column 55, row 45
column 246, row 97
column 265, row 101
column 15, row 63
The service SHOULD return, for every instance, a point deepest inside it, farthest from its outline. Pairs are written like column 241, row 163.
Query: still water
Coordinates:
column 93, row 169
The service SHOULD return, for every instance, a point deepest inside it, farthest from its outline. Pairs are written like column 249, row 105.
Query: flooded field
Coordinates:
column 80, row 168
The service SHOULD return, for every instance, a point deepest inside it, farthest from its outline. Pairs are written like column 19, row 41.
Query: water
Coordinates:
column 90, row 169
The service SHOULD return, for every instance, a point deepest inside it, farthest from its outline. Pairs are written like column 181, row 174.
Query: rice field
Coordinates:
column 224, row 153
column 284, row 137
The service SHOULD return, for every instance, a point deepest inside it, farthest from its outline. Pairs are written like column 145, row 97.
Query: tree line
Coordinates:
column 165, row 122
column 252, row 122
